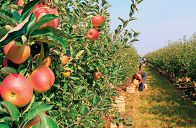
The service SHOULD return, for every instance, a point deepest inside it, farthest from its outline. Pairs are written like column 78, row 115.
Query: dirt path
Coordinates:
column 160, row 106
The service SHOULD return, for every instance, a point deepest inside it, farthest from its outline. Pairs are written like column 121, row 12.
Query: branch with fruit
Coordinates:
column 67, row 73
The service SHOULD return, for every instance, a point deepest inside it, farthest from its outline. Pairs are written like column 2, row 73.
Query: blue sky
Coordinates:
column 159, row 21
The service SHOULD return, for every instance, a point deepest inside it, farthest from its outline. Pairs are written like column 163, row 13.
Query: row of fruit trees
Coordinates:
column 177, row 61
column 60, row 66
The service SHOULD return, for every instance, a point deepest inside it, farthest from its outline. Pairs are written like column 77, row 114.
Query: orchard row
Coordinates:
column 60, row 66
column 177, row 59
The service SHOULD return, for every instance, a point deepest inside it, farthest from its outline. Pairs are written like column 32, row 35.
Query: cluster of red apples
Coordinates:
column 16, row 88
column 93, row 33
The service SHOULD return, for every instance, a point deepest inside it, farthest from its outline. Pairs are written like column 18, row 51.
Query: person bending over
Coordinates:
column 141, row 77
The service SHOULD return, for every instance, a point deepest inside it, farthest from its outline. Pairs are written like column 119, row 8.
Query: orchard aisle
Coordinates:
column 160, row 106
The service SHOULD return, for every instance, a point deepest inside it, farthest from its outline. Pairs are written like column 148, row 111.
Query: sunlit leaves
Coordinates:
column 78, row 100
column 177, row 58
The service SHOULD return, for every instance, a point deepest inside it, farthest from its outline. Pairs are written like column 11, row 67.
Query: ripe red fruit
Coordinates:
column 66, row 74
column 42, row 79
column 20, row 12
column 46, row 61
column 92, row 34
column 97, row 20
column 64, row 59
column 16, row 89
column 33, row 122
column 5, row 62
column 97, row 75
column 41, row 10
column 20, row 3
column 9, row 63
column 17, row 54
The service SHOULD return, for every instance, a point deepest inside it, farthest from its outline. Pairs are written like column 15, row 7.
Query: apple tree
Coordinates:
column 68, row 57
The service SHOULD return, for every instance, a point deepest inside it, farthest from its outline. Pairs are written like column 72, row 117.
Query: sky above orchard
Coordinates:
column 159, row 21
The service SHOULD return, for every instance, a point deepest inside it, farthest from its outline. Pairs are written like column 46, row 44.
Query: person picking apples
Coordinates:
column 140, row 76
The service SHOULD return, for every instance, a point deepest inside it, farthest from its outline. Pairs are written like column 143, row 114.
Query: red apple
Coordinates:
column 21, row 3
column 9, row 63
column 97, row 20
column 17, row 90
column 46, row 61
column 8, row 46
column 42, row 79
column 64, row 59
column 92, row 34
column 41, row 10
column 97, row 75
column 54, row 23
column 20, row 12
column 5, row 64
column 17, row 54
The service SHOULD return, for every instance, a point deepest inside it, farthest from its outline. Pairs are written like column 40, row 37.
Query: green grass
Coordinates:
column 160, row 105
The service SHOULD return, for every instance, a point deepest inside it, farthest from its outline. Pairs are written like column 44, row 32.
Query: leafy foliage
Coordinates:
column 177, row 59
column 78, row 101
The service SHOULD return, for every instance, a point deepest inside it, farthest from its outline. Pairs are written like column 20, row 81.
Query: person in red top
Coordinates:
column 141, row 77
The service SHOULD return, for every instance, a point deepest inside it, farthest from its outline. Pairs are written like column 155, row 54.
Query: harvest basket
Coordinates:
column 130, row 89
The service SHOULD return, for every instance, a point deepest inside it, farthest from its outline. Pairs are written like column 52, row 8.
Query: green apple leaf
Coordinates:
column 71, row 114
column 78, row 55
column 13, row 110
column 96, row 100
column 6, row 18
column 5, row 125
column 41, row 32
column 54, row 40
column 79, row 89
column 36, row 109
column 89, row 53
column 27, row 9
column 46, row 49
column 134, row 40
column 44, row 19
column 29, row 105
column 56, row 32
column 8, row 70
column 7, row 119
column 18, row 31
column 3, row 31
column 60, row 40
column 46, row 122
column 15, row 15
column 84, row 109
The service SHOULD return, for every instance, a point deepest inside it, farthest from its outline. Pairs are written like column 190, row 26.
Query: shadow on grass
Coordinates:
column 166, row 102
